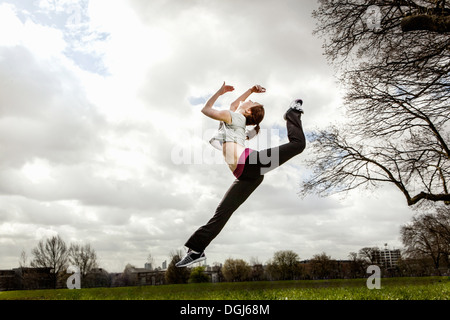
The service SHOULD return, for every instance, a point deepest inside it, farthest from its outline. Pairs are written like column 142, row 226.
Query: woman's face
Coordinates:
column 245, row 106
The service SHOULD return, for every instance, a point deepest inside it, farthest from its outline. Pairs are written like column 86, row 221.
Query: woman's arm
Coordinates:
column 220, row 115
column 245, row 95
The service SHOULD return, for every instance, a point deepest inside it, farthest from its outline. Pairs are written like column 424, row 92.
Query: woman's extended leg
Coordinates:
column 236, row 195
column 259, row 163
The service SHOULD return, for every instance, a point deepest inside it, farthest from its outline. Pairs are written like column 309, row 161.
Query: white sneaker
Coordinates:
column 295, row 105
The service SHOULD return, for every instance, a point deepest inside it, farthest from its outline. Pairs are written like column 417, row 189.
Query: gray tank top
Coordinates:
column 233, row 132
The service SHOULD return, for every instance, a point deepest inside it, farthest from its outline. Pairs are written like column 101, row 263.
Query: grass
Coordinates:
column 428, row 288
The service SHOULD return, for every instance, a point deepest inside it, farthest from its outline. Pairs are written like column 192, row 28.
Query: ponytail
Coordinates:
column 257, row 129
column 256, row 117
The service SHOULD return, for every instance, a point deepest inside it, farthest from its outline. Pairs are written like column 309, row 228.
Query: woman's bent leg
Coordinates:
column 272, row 158
column 239, row 191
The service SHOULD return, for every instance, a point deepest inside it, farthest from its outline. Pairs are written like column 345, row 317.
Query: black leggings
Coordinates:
column 256, row 165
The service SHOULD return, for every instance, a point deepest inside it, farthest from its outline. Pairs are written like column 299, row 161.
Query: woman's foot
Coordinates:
column 190, row 258
column 295, row 105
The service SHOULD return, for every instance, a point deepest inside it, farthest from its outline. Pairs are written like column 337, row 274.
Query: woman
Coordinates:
column 248, row 166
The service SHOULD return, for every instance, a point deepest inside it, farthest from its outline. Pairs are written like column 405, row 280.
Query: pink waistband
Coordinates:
column 241, row 163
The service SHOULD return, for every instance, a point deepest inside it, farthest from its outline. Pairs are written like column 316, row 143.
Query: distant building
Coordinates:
column 214, row 273
column 148, row 266
column 26, row 279
column 387, row 258
column 8, row 280
column 146, row 277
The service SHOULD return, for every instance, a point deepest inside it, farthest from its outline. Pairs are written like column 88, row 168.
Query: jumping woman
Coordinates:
column 248, row 166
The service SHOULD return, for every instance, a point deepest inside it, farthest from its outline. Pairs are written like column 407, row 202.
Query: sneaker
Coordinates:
column 295, row 105
column 191, row 258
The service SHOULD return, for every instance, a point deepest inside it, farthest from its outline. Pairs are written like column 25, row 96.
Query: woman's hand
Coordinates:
column 220, row 115
column 258, row 89
column 225, row 88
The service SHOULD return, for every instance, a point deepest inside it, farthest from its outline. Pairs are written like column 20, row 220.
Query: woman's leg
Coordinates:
column 259, row 163
column 239, row 191
column 297, row 140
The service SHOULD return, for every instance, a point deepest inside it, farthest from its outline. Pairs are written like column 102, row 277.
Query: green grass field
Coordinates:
column 428, row 288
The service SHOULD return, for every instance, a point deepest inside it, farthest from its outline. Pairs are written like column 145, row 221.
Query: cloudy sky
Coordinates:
column 102, row 140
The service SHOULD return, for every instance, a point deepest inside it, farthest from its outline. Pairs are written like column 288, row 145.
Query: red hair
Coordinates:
column 256, row 117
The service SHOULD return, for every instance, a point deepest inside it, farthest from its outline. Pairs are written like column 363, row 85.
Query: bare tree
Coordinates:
column 323, row 267
column 84, row 257
column 442, row 219
column 51, row 253
column 175, row 275
column 369, row 254
column 23, row 261
column 285, row 265
column 128, row 278
column 428, row 235
column 397, row 99
column 357, row 265
column 236, row 270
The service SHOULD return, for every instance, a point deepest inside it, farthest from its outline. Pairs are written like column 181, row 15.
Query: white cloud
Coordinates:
column 43, row 41
column 93, row 116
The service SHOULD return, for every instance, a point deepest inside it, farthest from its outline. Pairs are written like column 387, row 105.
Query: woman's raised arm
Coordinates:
column 220, row 115
column 245, row 95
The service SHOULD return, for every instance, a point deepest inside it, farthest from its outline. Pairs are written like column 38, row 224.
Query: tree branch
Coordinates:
column 433, row 23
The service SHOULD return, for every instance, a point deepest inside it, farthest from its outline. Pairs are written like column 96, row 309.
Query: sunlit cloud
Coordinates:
column 103, row 141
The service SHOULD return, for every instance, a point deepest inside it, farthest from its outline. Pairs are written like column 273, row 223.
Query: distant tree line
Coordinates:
column 426, row 241
column 426, row 251
column 286, row 265
column 56, row 256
